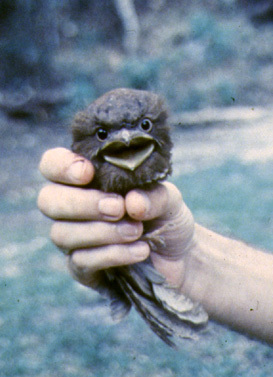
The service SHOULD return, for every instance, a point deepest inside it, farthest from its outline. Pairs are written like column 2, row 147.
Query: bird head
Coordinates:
column 126, row 136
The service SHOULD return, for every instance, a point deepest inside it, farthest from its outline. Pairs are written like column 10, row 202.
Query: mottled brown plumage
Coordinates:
column 130, row 110
column 125, row 134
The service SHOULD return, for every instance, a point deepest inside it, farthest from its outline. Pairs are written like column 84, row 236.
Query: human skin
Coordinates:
column 233, row 281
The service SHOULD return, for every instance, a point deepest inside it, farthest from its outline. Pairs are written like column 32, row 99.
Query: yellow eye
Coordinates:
column 102, row 134
column 146, row 125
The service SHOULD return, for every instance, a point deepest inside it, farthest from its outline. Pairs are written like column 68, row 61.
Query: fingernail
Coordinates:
column 147, row 203
column 128, row 230
column 75, row 171
column 139, row 250
column 139, row 205
column 111, row 207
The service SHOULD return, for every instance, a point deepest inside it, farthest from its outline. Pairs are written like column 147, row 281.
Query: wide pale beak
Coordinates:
column 128, row 149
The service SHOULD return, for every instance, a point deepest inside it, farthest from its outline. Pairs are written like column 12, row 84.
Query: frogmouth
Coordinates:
column 126, row 135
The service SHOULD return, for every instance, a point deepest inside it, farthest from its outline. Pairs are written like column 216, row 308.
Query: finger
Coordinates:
column 164, row 201
column 83, row 263
column 72, row 203
column 62, row 165
column 75, row 235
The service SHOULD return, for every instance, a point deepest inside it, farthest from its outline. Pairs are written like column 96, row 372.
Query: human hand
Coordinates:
column 90, row 224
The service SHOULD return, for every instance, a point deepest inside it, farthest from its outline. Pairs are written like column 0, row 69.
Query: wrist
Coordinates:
column 203, row 264
column 232, row 281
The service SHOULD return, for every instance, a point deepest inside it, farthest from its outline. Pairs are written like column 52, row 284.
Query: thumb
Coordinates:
column 63, row 166
column 162, row 202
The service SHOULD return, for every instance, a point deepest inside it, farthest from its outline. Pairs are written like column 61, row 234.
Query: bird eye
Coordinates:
column 146, row 125
column 102, row 134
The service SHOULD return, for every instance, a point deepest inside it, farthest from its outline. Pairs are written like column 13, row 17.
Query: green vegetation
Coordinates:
column 209, row 54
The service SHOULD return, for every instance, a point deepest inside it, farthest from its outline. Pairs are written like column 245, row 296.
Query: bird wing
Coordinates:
column 120, row 305
column 168, row 313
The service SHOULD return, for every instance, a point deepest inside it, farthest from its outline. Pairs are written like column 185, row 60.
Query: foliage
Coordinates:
column 140, row 73
column 202, row 54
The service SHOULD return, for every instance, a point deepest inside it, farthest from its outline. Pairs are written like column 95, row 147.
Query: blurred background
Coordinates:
column 213, row 62
column 58, row 55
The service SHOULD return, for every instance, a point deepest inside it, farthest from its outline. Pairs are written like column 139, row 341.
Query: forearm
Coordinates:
column 233, row 281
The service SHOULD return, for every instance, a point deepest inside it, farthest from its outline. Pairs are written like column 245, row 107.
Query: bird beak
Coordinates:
column 128, row 149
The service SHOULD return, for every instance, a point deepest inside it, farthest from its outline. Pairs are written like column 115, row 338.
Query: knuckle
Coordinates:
column 76, row 263
column 42, row 200
column 45, row 202
column 57, row 235
column 47, row 160
column 175, row 199
column 177, row 196
column 55, row 162
column 77, row 269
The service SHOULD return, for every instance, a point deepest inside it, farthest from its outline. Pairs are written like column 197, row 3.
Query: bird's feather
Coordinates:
column 165, row 309
column 111, row 128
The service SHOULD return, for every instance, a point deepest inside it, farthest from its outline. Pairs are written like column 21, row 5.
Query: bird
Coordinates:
column 125, row 133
